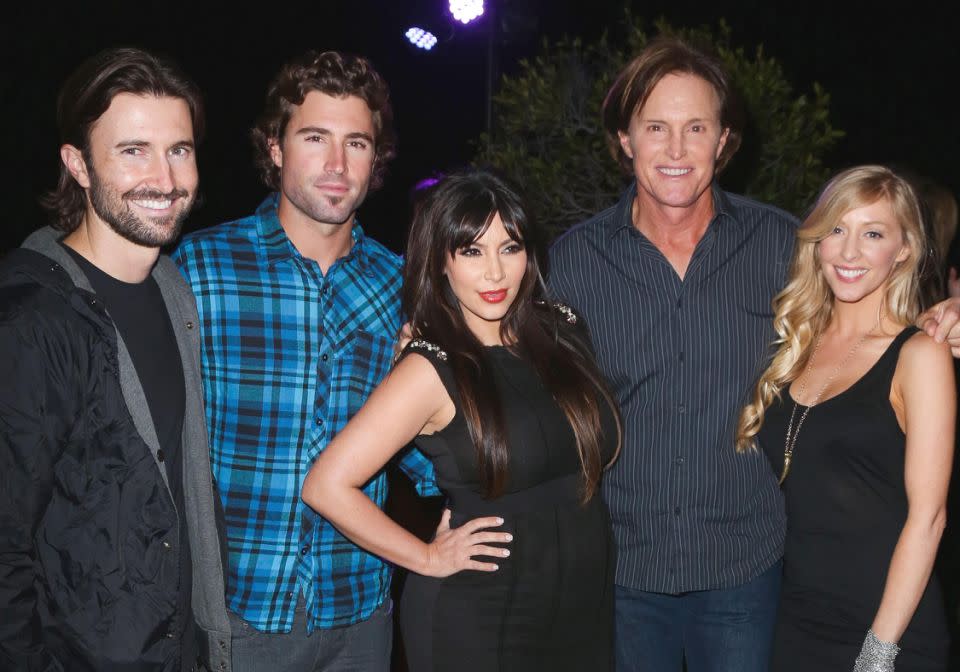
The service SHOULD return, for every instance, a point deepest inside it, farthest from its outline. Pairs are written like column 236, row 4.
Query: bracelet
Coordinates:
column 876, row 655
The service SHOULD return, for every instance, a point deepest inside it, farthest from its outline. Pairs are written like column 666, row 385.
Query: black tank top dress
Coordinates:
column 846, row 505
column 550, row 604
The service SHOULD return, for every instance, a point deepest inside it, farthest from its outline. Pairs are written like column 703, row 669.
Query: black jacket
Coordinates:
column 88, row 529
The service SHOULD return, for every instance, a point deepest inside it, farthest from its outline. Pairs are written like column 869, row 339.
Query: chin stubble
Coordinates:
column 117, row 213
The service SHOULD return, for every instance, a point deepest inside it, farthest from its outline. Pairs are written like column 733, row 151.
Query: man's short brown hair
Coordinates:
column 665, row 56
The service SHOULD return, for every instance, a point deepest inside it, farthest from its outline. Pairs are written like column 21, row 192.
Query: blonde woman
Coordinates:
column 856, row 416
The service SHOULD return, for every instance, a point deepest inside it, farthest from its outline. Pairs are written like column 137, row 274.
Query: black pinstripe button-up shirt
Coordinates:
column 688, row 512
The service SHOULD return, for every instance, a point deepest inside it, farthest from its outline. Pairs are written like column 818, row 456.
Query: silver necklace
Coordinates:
column 791, row 439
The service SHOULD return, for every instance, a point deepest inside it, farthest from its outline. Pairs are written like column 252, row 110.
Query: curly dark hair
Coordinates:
column 334, row 74
column 88, row 93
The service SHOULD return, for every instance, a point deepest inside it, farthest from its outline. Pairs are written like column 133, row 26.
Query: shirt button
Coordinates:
column 324, row 357
column 679, row 460
column 189, row 325
column 681, row 408
column 305, row 549
column 169, row 635
column 160, row 456
column 319, row 421
column 166, row 545
column 290, row 595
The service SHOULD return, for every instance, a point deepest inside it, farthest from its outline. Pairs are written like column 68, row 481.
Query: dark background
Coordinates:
column 892, row 75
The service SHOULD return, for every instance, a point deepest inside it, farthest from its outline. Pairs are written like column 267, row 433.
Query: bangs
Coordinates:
column 472, row 224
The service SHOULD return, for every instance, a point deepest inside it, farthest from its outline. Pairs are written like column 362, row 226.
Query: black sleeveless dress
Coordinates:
column 550, row 604
column 846, row 505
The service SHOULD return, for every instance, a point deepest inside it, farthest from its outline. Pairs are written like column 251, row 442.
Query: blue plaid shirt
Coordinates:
column 289, row 356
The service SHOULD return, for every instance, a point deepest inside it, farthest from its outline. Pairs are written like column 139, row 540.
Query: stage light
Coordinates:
column 421, row 38
column 466, row 11
column 426, row 183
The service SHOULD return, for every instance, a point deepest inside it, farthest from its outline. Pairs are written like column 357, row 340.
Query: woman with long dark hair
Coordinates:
column 499, row 388
column 856, row 416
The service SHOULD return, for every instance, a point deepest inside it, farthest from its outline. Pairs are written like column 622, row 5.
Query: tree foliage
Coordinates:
column 548, row 135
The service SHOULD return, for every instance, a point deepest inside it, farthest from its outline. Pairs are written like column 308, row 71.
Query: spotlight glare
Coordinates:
column 421, row 38
column 426, row 183
column 466, row 11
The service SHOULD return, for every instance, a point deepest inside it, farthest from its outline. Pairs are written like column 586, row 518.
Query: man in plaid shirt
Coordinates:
column 299, row 312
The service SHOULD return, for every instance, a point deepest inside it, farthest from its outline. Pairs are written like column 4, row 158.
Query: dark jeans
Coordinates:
column 727, row 630
column 362, row 647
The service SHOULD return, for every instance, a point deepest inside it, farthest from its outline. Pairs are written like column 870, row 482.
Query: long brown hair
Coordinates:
column 451, row 216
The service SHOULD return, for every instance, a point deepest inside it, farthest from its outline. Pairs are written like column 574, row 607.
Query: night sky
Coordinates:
column 892, row 76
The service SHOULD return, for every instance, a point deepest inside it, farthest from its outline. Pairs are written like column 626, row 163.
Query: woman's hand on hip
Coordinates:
column 454, row 550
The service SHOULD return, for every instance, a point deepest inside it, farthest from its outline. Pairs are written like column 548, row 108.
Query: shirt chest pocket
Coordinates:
column 363, row 361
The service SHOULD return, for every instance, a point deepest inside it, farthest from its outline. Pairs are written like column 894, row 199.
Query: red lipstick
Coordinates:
column 495, row 296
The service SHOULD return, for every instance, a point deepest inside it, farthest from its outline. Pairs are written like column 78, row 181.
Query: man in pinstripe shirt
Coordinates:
column 675, row 282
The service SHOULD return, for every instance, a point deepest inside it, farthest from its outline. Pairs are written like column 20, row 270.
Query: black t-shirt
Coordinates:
column 140, row 315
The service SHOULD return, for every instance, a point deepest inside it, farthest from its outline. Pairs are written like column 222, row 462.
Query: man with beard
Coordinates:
column 299, row 311
column 109, row 552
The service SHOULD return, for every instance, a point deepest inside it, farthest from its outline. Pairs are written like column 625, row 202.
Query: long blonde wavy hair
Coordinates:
column 804, row 308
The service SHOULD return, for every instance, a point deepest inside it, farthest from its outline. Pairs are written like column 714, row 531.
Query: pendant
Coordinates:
column 786, row 468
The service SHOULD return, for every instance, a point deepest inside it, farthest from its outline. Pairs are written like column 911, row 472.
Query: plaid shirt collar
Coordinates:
column 277, row 247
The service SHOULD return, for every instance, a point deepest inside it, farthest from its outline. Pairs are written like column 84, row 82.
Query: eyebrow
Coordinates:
column 505, row 241
column 318, row 130
column 143, row 143
column 663, row 121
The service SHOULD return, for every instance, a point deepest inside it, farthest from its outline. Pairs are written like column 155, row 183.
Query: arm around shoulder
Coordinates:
column 942, row 322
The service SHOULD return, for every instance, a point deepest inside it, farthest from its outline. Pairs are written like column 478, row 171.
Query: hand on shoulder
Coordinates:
column 942, row 322
column 923, row 350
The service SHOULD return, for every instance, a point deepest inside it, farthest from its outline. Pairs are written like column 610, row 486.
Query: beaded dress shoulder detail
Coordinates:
column 566, row 311
column 421, row 344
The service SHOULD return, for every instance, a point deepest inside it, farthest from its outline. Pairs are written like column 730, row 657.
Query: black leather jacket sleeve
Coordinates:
column 26, row 459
